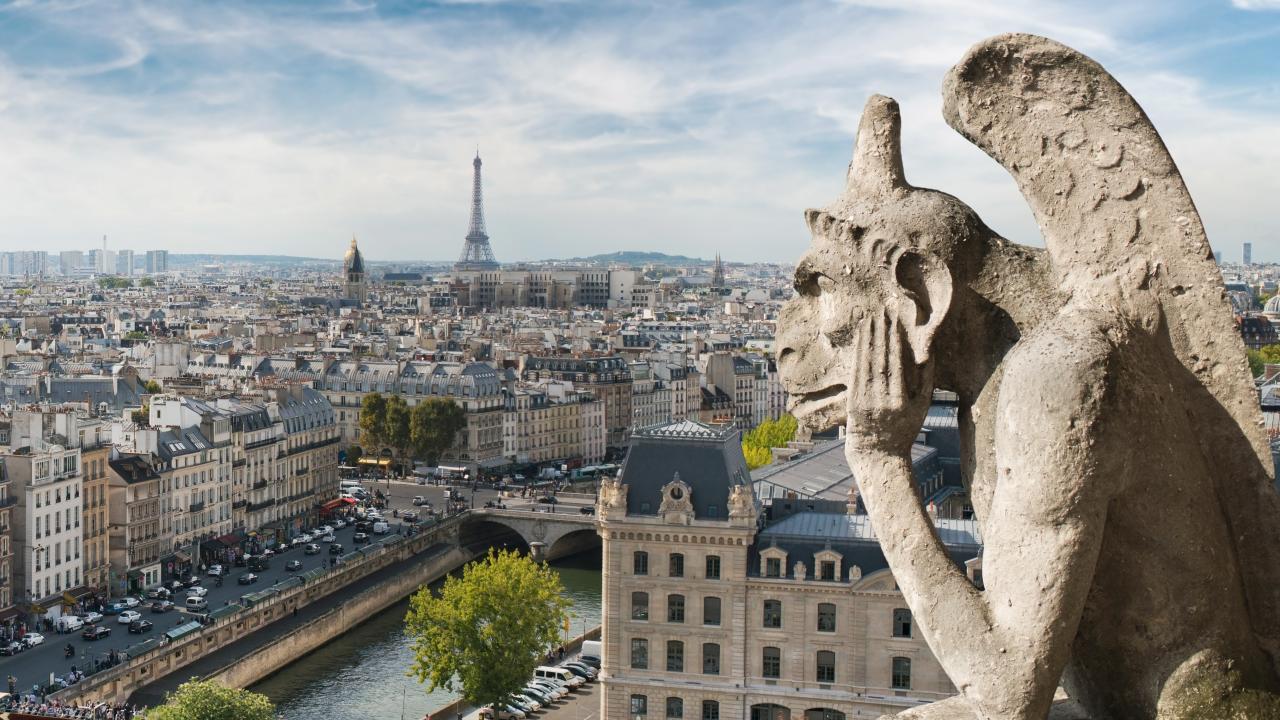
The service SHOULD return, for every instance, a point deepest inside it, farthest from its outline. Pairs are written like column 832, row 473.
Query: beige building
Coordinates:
column 97, row 559
column 552, row 422
column 140, row 532
column 710, row 614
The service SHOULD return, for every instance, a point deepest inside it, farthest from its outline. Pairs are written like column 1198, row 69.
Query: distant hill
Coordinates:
column 637, row 257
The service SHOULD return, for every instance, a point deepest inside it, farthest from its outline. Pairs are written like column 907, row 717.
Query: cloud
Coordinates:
column 673, row 126
column 1256, row 4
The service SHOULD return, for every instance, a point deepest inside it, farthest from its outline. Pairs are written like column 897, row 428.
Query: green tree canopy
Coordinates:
column 488, row 629
column 1267, row 355
column 146, row 282
column 373, row 416
column 151, row 386
column 757, row 443
column 208, row 700
column 433, row 426
column 396, row 425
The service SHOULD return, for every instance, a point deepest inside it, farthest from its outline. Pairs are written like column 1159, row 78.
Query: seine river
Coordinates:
column 361, row 675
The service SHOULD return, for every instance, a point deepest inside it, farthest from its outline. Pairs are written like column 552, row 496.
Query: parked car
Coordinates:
column 324, row 530
column 129, row 616
column 328, row 538
column 215, row 571
column 115, row 608
column 300, row 540
column 524, row 704
column 68, row 623
column 420, row 500
column 546, row 699
column 583, row 671
column 196, row 604
column 360, row 537
column 12, row 648
column 505, row 712
column 96, row 632
column 197, row 591
column 91, row 617
column 159, row 593
column 293, row 565
column 312, row 549
column 553, row 689
column 335, row 549
column 247, row 579
column 130, row 602
column 140, row 626
column 191, row 581
column 307, row 537
column 161, row 606
column 32, row 639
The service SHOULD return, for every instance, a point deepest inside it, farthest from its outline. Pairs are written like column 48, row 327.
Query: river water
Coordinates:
column 362, row 675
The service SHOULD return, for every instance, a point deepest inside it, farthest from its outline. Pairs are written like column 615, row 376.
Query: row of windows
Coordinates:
column 675, row 708
column 675, row 565
column 710, row 656
column 770, row 662
column 771, row 616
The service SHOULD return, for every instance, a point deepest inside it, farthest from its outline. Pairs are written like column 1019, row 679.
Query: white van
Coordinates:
column 381, row 528
column 348, row 484
column 558, row 675
column 68, row 623
column 591, row 649
column 197, row 603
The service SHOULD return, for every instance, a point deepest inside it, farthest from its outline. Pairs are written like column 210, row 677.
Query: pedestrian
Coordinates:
column 295, row 611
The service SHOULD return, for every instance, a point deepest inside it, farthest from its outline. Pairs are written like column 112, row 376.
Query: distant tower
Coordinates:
column 354, row 288
column 476, row 253
column 1248, row 253
column 717, row 274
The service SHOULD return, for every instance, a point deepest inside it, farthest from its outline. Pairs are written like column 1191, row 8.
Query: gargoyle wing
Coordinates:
column 1121, row 228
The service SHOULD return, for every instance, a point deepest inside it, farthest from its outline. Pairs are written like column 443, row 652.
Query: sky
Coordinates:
column 692, row 128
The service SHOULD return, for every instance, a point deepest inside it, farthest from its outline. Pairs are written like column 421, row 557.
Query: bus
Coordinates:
column 594, row 472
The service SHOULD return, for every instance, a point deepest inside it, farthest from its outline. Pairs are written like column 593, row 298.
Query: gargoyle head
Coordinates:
column 882, row 247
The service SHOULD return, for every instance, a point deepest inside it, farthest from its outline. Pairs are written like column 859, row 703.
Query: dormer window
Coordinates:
column 773, row 562
column 773, row 567
column 829, row 564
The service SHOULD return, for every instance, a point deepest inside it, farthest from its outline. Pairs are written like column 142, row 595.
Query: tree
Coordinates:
column 757, row 443
column 146, row 282
column 373, row 417
column 434, row 425
column 396, row 426
column 353, row 455
column 208, row 700
column 152, row 387
column 1267, row 355
column 135, row 335
column 488, row 629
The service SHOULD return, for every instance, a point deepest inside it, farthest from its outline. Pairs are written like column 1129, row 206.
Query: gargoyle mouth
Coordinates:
column 812, row 402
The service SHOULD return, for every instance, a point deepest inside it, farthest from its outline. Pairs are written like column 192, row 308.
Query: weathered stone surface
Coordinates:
column 1114, row 451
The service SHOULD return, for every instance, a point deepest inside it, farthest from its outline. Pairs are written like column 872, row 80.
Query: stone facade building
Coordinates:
column 141, row 533
column 552, row 422
column 719, row 608
column 608, row 378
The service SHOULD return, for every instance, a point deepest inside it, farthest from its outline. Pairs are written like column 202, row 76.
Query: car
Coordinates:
column 589, row 661
column 527, row 706
column 115, row 608
column 32, row 639
column 312, row 549
column 197, row 591
column 360, row 537
column 545, row 699
column 307, row 537
column 159, row 593
column 548, row 499
column 140, row 626
column 555, row 690
column 293, row 565
column 96, row 632
column 129, row 616
column 581, row 671
column 91, row 617
column 339, row 524
column 328, row 538
column 409, row 516
column 587, row 510
column 130, row 602
column 68, row 623
column 12, row 648
column 420, row 500
column 161, row 606
column 215, row 571
column 247, row 579
column 505, row 712
column 335, row 549
column 176, row 585
column 191, row 581
column 324, row 530
column 300, row 540
column 266, row 553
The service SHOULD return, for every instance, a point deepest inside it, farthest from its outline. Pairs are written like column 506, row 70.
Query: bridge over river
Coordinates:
column 547, row 535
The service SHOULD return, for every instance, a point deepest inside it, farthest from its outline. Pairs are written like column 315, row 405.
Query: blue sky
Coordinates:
column 684, row 127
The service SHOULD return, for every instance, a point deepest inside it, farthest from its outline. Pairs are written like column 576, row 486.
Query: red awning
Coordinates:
column 349, row 501
column 332, row 504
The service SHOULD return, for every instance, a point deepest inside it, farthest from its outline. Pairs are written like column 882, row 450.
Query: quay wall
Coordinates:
column 282, row 651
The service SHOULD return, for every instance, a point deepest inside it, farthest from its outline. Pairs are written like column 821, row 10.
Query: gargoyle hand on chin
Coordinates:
column 889, row 395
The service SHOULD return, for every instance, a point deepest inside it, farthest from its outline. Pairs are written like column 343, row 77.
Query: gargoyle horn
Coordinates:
column 877, row 153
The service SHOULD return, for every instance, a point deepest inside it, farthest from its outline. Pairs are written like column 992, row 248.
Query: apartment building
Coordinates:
column 48, row 533
column 650, row 397
column 140, row 530
column 552, row 422
column 192, row 442
column 607, row 378
column 8, row 611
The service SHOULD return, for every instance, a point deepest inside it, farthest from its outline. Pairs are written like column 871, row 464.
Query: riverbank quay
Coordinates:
column 460, row 710
column 254, row 618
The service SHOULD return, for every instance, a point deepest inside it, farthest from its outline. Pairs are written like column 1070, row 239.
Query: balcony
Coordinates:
column 196, row 507
column 302, row 471
column 239, row 504
column 258, row 485
column 8, row 500
column 254, row 507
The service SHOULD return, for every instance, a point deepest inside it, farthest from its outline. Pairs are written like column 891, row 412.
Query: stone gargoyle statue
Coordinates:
column 1112, row 441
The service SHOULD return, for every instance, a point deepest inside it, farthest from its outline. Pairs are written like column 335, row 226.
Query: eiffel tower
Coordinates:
column 476, row 253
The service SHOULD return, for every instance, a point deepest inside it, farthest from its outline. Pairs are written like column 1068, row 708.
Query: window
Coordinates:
column 675, row 656
column 772, row 663
column 827, row 571
column 773, row 567
column 675, row 707
column 710, row 710
column 639, row 705
column 826, row 617
column 710, row 611
column 826, row 666
column 639, row 606
column 640, row 563
column 675, row 566
column 710, row 659
column 902, row 623
column 639, row 654
column 773, row 613
column 713, row 567
column 901, row 676
column 675, row 608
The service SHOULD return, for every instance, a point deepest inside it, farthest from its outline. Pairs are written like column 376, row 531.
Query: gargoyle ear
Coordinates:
column 923, row 298
column 877, row 153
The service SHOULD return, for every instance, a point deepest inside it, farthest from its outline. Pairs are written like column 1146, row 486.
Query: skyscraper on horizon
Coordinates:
column 1248, row 253
column 477, row 255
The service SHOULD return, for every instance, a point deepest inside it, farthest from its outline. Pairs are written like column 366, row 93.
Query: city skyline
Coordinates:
column 681, row 128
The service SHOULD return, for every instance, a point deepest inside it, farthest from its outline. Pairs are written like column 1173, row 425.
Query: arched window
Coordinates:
column 639, row 654
column 710, row 710
column 823, row 714
column 771, row 662
column 710, row 610
column 675, row 708
column 639, row 606
column 826, row 617
column 826, row 666
column 675, row 608
column 710, row 659
column 773, row 613
column 675, row 656
column 639, row 706
column 900, row 678
column 767, row 711
column 902, row 623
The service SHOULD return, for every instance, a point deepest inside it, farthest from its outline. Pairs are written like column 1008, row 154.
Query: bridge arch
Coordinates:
column 560, row 535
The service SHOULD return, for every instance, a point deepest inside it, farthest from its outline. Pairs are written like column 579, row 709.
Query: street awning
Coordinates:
column 181, row 630
column 229, row 540
column 381, row 462
column 332, row 504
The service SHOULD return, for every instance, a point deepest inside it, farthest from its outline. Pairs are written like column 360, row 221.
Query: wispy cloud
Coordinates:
column 1257, row 4
column 677, row 126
